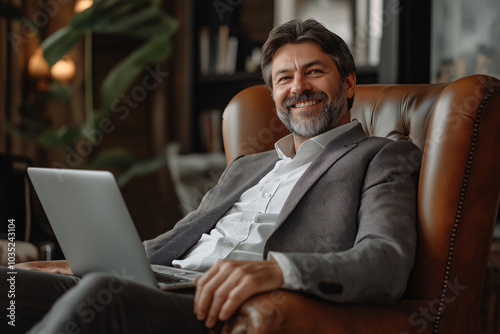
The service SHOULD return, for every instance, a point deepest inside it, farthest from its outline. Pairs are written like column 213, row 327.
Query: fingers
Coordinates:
column 201, row 291
column 221, row 299
column 211, row 292
column 235, row 297
column 221, row 291
column 57, row 267
column 35, row 265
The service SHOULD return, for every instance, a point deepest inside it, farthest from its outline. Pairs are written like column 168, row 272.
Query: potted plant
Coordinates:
column 142, row 20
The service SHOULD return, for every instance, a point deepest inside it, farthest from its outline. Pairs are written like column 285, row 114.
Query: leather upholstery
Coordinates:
column 250, row 123
column 457, row 125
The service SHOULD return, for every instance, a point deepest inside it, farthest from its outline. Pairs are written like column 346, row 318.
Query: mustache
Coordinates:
column 306, row 96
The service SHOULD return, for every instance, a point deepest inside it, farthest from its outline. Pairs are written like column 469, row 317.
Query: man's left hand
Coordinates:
column 223, row 288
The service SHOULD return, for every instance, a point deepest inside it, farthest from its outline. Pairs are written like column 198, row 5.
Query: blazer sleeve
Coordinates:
column 377, row 267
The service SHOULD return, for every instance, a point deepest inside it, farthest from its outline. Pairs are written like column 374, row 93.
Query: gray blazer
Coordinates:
column 348, row 225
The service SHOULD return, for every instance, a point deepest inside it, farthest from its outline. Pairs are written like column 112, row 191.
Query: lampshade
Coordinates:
column 64, row 70
column 81, row 5
column 37, row 66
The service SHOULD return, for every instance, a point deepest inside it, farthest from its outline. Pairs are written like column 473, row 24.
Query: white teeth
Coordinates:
column 306, row 103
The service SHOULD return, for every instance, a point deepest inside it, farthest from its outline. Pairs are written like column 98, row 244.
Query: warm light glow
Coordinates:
column 37, row 66
column 64, row 70
column 81, row 5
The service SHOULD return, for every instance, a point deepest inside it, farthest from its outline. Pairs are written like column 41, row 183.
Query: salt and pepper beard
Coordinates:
column 329, row 116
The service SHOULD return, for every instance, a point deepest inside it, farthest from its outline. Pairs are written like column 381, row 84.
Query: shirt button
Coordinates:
column 230, row 244
column 267, row 195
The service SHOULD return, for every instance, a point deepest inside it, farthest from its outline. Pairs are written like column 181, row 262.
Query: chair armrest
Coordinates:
column 289, row 312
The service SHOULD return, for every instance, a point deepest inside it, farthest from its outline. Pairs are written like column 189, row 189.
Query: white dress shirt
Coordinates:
column 242, row 232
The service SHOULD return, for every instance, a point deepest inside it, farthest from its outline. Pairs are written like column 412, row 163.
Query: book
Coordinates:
column 232, row 55
column 222, row 49
column 218, row 51
column 204, row 45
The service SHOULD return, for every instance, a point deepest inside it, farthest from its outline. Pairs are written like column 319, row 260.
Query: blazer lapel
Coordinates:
column 207, row 217
column 337, row 148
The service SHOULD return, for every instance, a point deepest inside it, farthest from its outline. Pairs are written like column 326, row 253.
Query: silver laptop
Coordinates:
column 94, row 229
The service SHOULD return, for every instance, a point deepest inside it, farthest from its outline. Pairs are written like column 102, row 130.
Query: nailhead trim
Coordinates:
column 451, row 249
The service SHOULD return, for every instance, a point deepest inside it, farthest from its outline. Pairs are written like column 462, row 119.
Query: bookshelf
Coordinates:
column 215, row 76
column 226, row 38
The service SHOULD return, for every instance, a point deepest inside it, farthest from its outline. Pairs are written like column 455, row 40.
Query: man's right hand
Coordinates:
column 57, row 267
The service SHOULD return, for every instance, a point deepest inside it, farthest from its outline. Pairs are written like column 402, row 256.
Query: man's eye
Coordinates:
column 283, row 79
column 315, row 71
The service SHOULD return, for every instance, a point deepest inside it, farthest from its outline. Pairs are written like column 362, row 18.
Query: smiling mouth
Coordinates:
column 306, row 103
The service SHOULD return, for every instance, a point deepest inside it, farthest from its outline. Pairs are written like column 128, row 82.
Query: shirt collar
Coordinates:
column 286, row 149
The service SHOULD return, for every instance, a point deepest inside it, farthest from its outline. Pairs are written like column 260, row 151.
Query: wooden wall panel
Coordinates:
column 3, row 85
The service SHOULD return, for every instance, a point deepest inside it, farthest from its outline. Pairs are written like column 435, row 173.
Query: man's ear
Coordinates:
column 350, row 85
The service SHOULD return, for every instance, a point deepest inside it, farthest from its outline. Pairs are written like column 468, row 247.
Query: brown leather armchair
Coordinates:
column 457, row 125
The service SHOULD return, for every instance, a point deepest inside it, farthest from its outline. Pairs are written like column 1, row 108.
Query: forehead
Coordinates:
column 294, row 56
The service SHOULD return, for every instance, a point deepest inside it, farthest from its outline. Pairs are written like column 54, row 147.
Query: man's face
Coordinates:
column 309, row 95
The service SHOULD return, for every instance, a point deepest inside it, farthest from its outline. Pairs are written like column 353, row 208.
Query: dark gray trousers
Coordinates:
column 98, row 303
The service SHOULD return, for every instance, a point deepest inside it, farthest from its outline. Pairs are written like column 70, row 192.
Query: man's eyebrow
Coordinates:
column 314, row 63
column 283, row 70
column 307, row 65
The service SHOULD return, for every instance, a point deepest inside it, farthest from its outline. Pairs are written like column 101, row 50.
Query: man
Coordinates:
column 330, row 212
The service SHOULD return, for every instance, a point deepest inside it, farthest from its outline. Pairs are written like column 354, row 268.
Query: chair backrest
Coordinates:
column 457, row 125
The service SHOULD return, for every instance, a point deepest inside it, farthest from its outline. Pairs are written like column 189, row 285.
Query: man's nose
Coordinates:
column 300, row 85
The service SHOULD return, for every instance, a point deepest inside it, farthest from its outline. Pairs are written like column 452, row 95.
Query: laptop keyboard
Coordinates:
column 170, row 278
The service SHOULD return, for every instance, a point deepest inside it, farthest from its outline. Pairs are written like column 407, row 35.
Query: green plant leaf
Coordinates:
column 125, row 24
column 113, row 159
column 57, row 92
column 62, row 137
column 99, row 12
column 119, row 17
column 60, row 43
column 121, row 77
column 95, row 123
column 142, row 168
column 140, row 19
